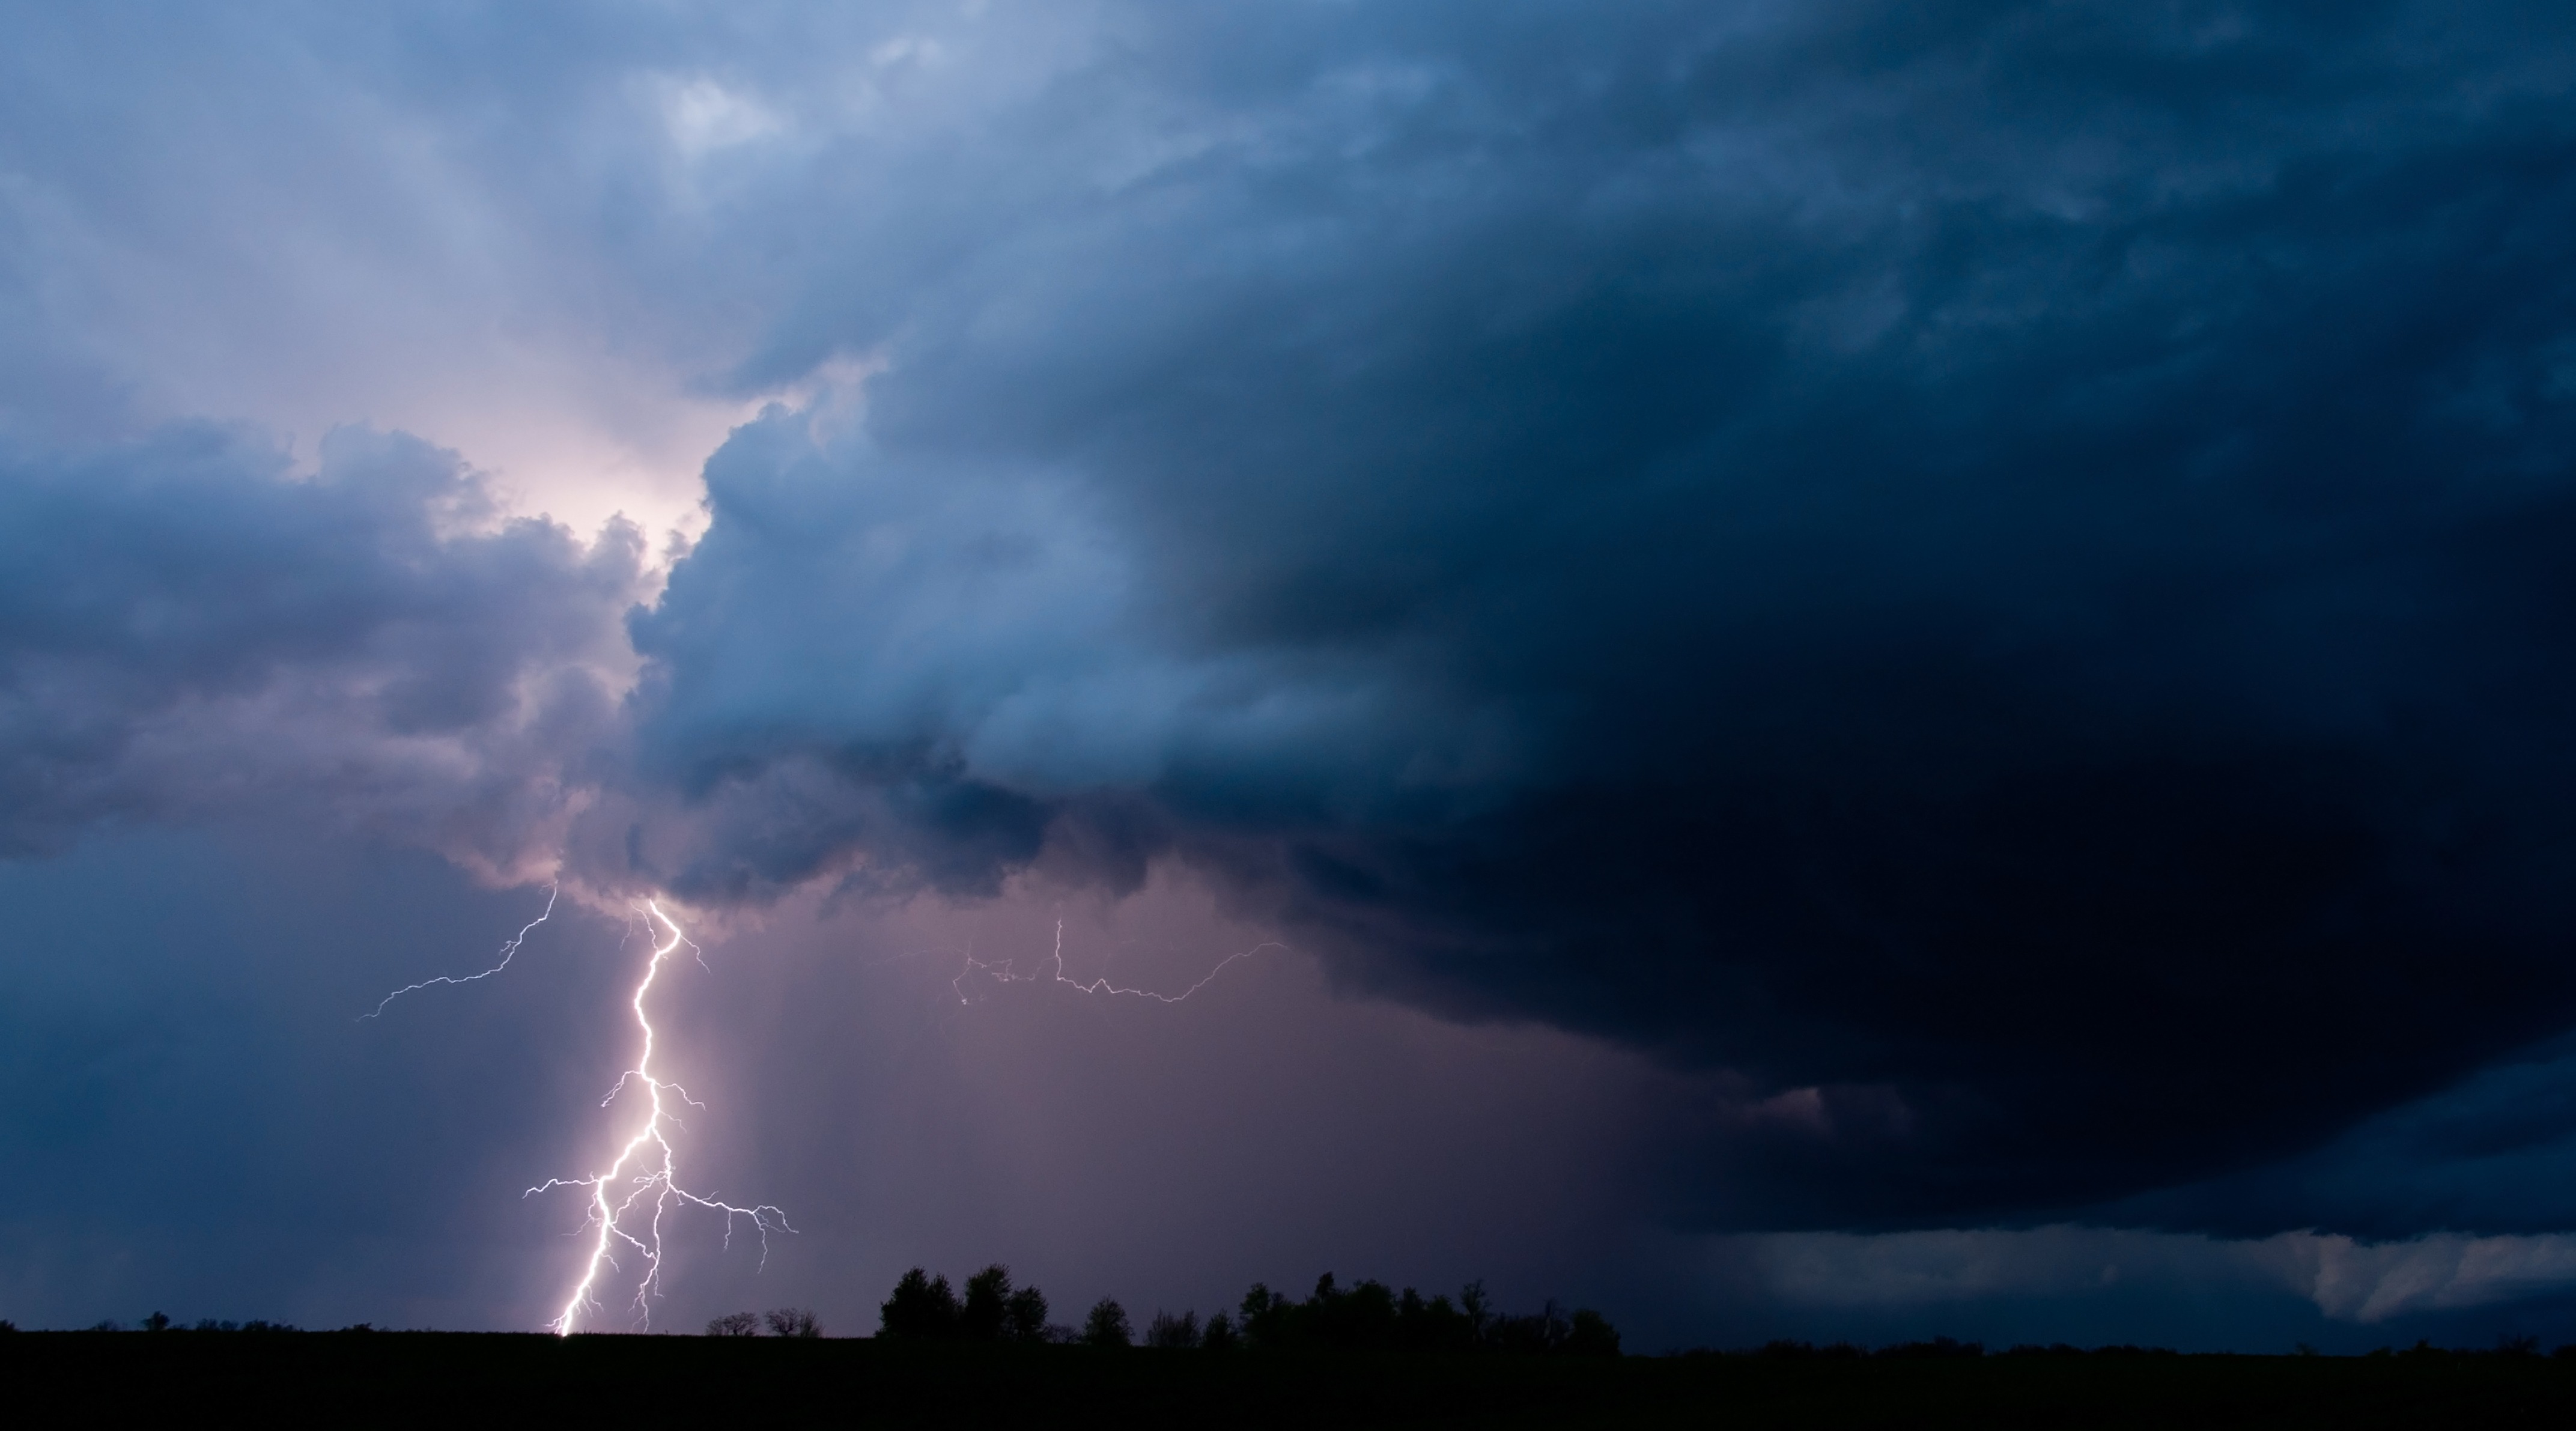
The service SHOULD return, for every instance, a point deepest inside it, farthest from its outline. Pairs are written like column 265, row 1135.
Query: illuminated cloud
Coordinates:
column 185, row 630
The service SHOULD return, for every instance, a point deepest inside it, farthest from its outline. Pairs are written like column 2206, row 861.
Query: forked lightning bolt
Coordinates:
column 646, row 1171
column 629, row 1200
column 1008, row 974
column 507, row 950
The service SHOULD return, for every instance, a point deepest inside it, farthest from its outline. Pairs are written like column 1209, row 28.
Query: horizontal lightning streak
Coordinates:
column 507, row 950
column 1007, row 973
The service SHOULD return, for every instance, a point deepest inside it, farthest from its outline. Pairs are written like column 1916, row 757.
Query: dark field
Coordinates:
column 363, row 1377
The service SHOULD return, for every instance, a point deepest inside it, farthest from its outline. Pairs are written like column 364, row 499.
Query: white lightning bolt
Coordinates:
column 654, row 1184
column 1008, row 974
column 507, row 950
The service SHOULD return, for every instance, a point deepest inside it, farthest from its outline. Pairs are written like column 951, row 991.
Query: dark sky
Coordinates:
column 1861, row 669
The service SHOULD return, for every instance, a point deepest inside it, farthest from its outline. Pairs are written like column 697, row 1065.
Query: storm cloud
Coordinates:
column 187, row 628
column 1997, row 571
column 1985, row 583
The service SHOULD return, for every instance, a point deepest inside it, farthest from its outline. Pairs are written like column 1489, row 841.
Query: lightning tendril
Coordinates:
column 508, row 949
column 1007, row 973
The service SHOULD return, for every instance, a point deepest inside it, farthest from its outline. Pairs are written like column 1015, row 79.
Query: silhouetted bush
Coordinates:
column 793, row 1322
column 1172, row 1333
column 1219, row 1335
column 1106, row 1326
column 921, row 1309
column 1782, row 1349
column 735, row 1324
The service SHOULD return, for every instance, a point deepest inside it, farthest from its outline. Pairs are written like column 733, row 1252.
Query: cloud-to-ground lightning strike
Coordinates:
column 646, row 1167
column 508, row 949
column 1007, row 973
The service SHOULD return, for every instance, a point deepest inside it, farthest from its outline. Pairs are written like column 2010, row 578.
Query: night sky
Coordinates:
column 1847, row 669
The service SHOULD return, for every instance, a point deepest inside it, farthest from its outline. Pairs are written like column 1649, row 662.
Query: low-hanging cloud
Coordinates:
column 2348, row 1281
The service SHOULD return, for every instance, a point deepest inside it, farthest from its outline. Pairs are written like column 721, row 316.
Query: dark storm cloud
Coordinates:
column 1999, row 571
column 184, row 626
column 2493, row 1152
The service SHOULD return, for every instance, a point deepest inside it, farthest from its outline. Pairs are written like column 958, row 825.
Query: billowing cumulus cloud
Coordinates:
column 1987, row 581
column 1995, row 572
column 184, row 627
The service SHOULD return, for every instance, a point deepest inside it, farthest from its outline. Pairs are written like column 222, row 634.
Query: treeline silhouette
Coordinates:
column 160, row 1322
column 186, row 1373
column 783, row 1322
column 1367, row 1316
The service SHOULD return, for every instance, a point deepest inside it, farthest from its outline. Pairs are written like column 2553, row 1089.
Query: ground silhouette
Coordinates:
column 1366, row 1316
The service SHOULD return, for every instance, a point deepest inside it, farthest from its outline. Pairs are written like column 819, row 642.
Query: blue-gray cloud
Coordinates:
column 1988, row 576
column 186, row 628
column 2000, row 564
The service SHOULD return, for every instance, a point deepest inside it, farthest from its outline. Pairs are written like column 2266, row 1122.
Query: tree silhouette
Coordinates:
column 1591, row 1335
column 1024, row 1316
column 1547, row 1331
column 1368, row 1317
column 1107, row 1325
column 735, row 1324
column 1479, row 1311
column 921, row 1309
column 988, row 1305
column 793, row 1322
